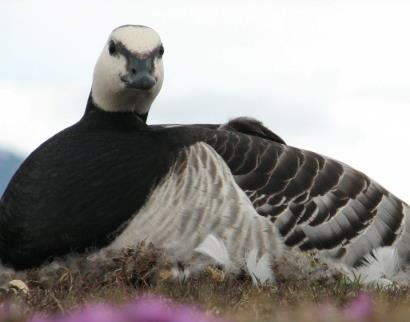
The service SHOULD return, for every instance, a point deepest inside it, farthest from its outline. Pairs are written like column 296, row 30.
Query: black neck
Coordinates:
column 128, row 119
column 92, row 106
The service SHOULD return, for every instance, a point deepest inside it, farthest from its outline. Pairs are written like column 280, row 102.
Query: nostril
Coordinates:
column 134, row 71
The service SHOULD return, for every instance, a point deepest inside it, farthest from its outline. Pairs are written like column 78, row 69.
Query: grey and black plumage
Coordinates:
column 111, row 180
column 316, row 202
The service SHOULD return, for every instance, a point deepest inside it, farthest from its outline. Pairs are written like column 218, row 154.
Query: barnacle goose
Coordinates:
column 222, row 192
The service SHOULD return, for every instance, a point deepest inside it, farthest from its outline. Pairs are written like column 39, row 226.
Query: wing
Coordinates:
column 197, row 202
column 250, row 126
column 245, row 125
column 316, row 202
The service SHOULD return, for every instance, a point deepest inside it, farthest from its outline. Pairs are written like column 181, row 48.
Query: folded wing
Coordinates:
column 316, row 202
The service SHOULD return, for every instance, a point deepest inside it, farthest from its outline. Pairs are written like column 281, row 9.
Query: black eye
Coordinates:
column 112, row 48
column 161, row 51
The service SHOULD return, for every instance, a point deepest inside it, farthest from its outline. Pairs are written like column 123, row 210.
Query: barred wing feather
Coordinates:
column 316, row 202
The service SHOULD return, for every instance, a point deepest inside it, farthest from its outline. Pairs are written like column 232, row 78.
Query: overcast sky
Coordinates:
column 328, row 76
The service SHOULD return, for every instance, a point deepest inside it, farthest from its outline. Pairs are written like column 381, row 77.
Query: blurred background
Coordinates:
column 328, row 76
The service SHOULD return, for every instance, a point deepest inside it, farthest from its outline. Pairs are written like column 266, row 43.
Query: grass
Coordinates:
column 60, row 287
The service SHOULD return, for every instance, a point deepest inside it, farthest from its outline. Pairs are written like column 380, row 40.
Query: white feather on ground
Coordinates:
column 180, row 275
column 381, row 268
column 260, row 270
column 215, row 249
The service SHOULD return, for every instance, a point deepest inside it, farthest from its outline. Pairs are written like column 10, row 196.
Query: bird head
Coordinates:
column 129, row 72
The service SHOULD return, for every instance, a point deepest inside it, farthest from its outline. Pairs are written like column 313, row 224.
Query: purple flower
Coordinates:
column 89, row 313
column 360, row 309
column 162, row 310
column 39, row 318
column 144, row 310
column 94, row 313
column 5, row 311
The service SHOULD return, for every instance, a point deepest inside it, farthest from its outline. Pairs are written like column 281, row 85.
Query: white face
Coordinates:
column 129, row 72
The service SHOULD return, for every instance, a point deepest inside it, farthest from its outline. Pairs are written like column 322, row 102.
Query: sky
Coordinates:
column 328, row 76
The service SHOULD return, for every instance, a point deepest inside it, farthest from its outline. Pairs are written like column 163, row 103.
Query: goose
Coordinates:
column 201, row 192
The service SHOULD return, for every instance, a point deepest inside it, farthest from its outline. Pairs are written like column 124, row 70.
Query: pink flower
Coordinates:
column 5, row 311
column 94, row 313
column 162, row 310
column 90, row 313
column 360, row 309
column 143, row 310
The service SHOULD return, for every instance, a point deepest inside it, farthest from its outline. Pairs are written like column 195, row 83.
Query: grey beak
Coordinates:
column 139, row 74
column 143, row 81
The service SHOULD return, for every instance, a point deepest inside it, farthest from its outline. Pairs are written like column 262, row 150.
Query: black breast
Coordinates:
column 78, row 189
